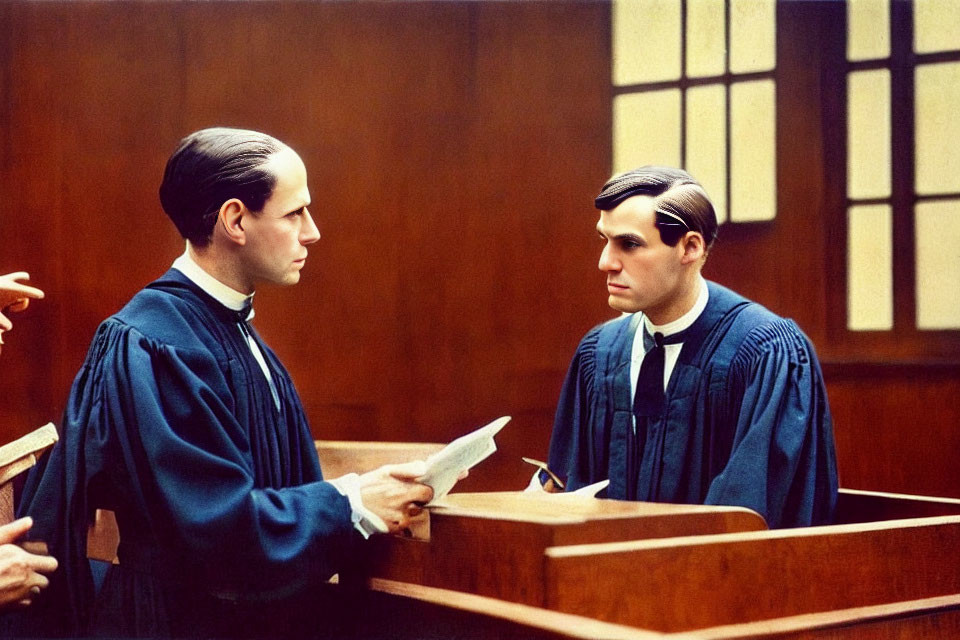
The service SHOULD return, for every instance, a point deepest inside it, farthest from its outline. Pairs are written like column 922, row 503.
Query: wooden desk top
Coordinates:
column 494, row 544
column 560, row 508
column 743, row 577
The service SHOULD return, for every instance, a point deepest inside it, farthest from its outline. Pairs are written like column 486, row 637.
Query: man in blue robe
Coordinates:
column 186, row 425
column 695, row 395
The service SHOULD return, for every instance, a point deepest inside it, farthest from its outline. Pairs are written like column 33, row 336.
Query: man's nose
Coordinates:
column 309, row 233
column 608, row 262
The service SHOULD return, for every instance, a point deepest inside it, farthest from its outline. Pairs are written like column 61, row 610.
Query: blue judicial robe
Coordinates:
column 746, row 421
column 218, row 494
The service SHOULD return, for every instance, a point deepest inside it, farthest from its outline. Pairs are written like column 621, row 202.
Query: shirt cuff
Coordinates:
column 364, row 520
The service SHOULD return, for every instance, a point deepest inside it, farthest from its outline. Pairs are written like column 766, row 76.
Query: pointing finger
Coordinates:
column 10, row 532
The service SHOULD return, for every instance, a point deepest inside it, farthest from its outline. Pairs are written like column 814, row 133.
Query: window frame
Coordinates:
column 726, row 79
column 904, row 342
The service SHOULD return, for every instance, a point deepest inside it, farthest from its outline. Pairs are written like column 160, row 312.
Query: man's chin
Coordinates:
column 621, row 305
column 281, row 281
column 290, row 277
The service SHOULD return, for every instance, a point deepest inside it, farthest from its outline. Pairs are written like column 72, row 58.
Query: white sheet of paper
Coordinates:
column 590, row 490
column 445, row 466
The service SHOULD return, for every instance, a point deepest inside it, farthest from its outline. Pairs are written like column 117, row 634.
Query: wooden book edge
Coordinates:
column 21, row 454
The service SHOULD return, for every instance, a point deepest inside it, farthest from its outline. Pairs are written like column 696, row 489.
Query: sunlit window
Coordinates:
column 868, row 29
column 870, row 267
column 694, row 86
column 868, row 134
column 938, row 264
column 903, row 88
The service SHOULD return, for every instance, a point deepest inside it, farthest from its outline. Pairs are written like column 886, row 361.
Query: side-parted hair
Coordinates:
column 212, row 166
column 681, row 203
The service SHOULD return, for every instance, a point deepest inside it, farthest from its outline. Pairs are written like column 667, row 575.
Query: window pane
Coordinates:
column 646, row 41
column 870, row 268
column 937, row 128
column 936, row 25
column 646, row 129
column 753, row 43
column 868, row 134
column 868, row 29
column 706, row 28
column 706, row 142
column 938, row 264
column 753, row 167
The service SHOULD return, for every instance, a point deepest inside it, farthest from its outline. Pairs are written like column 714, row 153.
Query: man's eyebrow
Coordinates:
column 621, row 236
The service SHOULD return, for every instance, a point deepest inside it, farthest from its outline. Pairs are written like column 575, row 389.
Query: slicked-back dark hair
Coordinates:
column 681, row 203
column 212, row 166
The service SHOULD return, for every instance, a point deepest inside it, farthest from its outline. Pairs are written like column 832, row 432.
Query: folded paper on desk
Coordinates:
column 590, row 490
column 445, row 466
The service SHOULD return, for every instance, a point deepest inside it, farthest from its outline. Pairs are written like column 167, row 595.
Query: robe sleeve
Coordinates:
column 173, row 415
column 782, row 462
column 156, row 426
column 572, row 453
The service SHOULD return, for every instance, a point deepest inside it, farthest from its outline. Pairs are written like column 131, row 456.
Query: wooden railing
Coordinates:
column 546, row 566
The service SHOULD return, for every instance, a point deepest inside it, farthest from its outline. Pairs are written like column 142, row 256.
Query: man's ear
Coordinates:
column 230, row 220
column 694, row 247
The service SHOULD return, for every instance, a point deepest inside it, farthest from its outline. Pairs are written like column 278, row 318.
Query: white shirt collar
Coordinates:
column 227, row 296
column 686, row 319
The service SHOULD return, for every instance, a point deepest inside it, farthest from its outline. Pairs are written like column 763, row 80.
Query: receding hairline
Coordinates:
column 283, row 149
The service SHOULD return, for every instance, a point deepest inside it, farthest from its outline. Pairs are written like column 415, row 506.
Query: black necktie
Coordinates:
column 244, row 311
column 648, row 399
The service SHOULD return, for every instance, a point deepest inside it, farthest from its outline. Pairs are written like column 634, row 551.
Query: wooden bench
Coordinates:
column 855, row 505
column 753, row 584
column 498, row 560
column 683, row 584
column 493, row 544
column 407, row 612
column 413, row 611
column 925, row 618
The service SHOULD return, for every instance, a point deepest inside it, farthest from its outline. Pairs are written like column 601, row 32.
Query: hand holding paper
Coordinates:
column 445, row 466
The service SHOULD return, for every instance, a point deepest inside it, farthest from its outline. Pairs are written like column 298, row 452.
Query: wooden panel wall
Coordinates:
column 897, row 427
column 453, row 151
